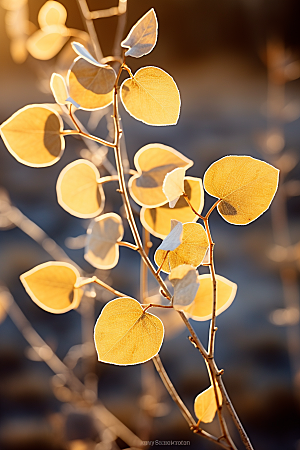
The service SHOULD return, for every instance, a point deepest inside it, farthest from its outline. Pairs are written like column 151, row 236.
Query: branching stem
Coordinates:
column 96, row 280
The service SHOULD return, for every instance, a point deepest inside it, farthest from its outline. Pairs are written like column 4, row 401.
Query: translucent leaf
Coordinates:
column 201, row 307
column 245, row 185
column 85, row 54
column 191, row 251
column 151, row 97
column 91, row 86
column 52, row 13
column 185, row 281
column 78, row 191
column 32, row 136
column 125, row 335
column 142, row 36
column 157, row 220
column 59, row 88
column 153, row 162
column 46, row 43
column 205, row 405
column 173, row 185
column 101, row 250
column 51, row 286
column 174, row 238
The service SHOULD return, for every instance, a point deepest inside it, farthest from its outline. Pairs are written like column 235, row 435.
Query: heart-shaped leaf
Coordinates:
column 44, row 44
column 52, row 13
column 102, row 250
column 125, row 334
column 205, row 405
column 142, row 36
column 173, row 185
column 185, row 282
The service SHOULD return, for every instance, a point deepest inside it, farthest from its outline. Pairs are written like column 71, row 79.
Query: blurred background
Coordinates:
column 237, row 66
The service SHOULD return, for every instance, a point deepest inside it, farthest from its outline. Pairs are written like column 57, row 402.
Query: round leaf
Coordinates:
column 157, row 220
column 153, row 162
column 191, row 251
column 33, row 136
column 52, row 13
column 125, row 335
column 46, row 43
column 142, row 36
column 78, row 191
column 152, row 97
column 246, row 186
column 185, row 281
column 102, row 250
column 59, row 88
column 90, row 85
column 201, row 307
column 51, row 286
column 173, row 185
column 205, row 405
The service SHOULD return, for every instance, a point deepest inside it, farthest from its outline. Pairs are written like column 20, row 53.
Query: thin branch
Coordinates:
column 191, row 206
column 128, row 244
column 90, row 27
column 96, row 280
column 114, row 11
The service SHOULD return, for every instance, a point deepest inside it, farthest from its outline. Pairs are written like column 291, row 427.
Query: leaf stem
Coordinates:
column 191, row 206
column 96, row 280
column 128, row 244
column 163, row 261
column 153, row 305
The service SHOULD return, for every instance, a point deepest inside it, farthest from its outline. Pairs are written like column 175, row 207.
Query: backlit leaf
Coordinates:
column 191, row 251
column 78, row 191
column 46, row 43
column 151, row 97
column 185, row 282
column 32, row 136
column 173, row 185
column 201, row 307
column 157, row 220
column 102, row 250
column 205, row 405
column 51, row 286
column 125, row 335
column 52, row 13
column 246, row 186
column 174, row 238
column 142, row 36
column 59, row 88
column 90, row 85
column 153, row 162
column 85, row 54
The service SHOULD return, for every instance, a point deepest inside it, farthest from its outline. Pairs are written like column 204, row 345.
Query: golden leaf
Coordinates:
column 59, row 88
column 152, row 97
column 52, row 13
column 91, row 85
column 125, row 335
column 17, row 28
column 184, row 279
column 205, row 405
column 85, row 54
column 191, row 251
column 102, row 250
column 33, row 136
column 246, row 186
column 46, row 43
column 201, row 307
column 142, row 36
column 51, row 286
column 157, row 220
column 173, row 185
column 78, row 191
column 153, row 162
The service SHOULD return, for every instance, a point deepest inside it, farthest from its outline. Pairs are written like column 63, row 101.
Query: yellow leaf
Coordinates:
column 151, row 97
column 125, row 335
column 191, row 251
column 51, row 286
column 17, row 28
column 153, row 162
column 173, row 185
column 205, row 405
column 46, row 43
column 246, row 186
column 201, row 307
column 185, row 282
column 52, row 13
column 78, row 191
column 102, row 250
column 85, row 54
column 142, row 36
column 157, row 220
column 91, row 85
column 33, row 136
column 59, row 88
